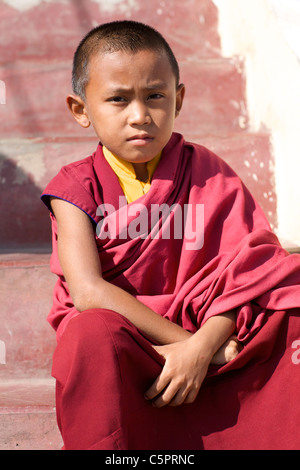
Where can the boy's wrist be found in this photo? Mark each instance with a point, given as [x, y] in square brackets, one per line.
[203, 346]
[214, 333]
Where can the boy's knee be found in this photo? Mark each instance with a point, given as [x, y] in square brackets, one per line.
[92, 329]
[88, 339]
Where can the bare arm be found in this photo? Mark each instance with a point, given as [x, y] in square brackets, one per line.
[80, 263]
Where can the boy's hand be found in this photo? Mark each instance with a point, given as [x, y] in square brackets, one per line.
[182, 375]
[187, 361]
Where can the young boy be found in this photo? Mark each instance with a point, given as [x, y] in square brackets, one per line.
[162, 256]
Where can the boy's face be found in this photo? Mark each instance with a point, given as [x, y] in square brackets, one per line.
[131, 101]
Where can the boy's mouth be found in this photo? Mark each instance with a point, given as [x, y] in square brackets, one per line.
[140, 139]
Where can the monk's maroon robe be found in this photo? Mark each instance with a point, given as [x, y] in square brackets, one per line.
[103, 364]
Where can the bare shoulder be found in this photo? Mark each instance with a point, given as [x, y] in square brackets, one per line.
[70, 217]
[74, 228]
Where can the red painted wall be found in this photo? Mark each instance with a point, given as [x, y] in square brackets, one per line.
[38, 134]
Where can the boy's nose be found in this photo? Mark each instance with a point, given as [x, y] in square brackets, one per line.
[139, 115]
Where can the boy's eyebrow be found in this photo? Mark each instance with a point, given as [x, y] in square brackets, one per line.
[153, 86]
[156, 85]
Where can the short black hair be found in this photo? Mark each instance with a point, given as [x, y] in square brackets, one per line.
[127, 36]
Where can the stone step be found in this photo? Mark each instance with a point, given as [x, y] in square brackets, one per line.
[27, 415]
[27, 340]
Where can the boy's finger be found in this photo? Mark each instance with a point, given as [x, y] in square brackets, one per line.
[157, 387]
[191, 396]
[166, 396]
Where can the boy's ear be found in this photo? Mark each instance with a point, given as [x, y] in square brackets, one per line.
[179, 98]
[78, 109]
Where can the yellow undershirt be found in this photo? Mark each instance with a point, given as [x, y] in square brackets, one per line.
[132, 187]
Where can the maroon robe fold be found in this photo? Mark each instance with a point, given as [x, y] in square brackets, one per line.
[221, 255]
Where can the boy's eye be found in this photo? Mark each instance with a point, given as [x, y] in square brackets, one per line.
[155, 96]
[117, 99]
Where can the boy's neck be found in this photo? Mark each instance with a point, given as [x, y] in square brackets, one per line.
[141, 171]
